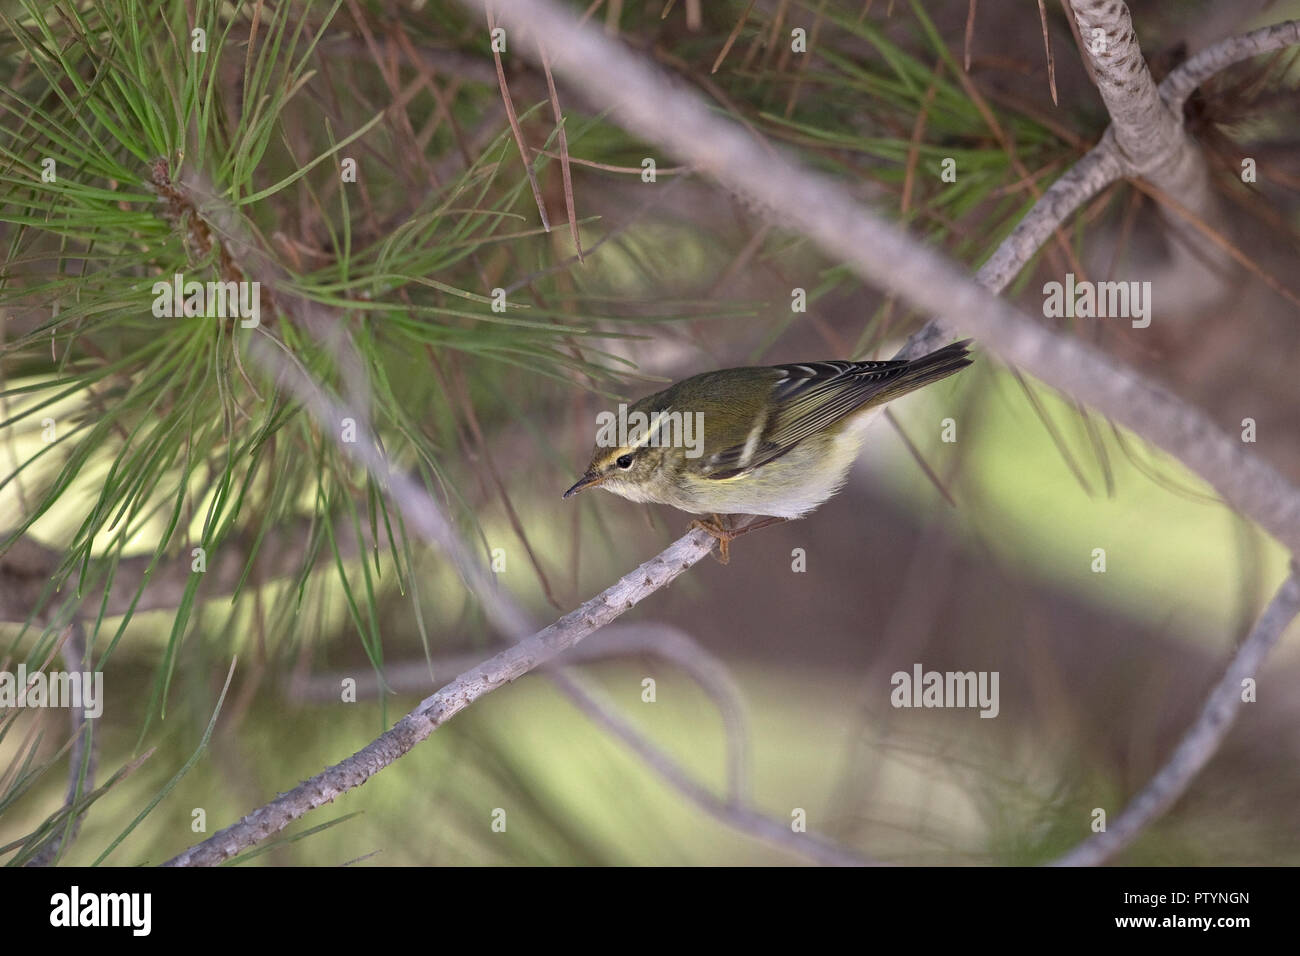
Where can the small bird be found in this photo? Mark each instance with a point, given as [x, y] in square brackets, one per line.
[771, 440]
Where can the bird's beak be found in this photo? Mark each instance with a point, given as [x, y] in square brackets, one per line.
[586, 481]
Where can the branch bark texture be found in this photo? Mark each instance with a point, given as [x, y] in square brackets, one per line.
[1150, 139]
[1200, 742]
[438, 708]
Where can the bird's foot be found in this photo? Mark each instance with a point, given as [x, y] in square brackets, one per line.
[717, 526]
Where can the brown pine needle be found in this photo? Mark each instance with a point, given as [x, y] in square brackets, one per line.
[565, 169]
[731, 39]
[667, 9]
[629, 170]
[1220, 240]
[991, 120]
[519, 133]
[1028, 182]
[461, 393]
[252, 42]
[1062, 446]
[970, 31]
[920, 459]
[755, 45]
[694, 19]
[1047, 45]
[803, 60]
[918, 130]
[1078, 41]
[777, 22]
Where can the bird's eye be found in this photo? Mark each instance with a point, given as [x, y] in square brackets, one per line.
[624, 461]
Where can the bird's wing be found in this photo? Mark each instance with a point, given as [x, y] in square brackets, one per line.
[805, 399]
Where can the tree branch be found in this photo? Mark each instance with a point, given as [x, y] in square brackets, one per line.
[617, 640]
[441, 706]
[1151, 140]
[423, 514]
[82, 755]
[732, 812]
[1202, 740]
[1096, 170]
[27, 568]
[1099, 167]
[1179, 84]
[1150, 137]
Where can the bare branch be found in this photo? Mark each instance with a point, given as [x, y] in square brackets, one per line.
[1085, 179]
[1179, 84]
[617, 640]
[1147, 132]
[731, 813]
[1151, 141]
[1202, 740]
[82, 754]
[440, 707]
[27, 568]
[426, 517]
[1098, 168]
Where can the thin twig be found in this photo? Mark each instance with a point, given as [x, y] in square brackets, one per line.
[741, 818]
[437, 709]
[563, 141]
[1179, 84]
[970, 34]
[1202, 739]
[616, 640]
[731, 38]
[515, 128]
[1047, 45]
[82, 755]
[421, 513]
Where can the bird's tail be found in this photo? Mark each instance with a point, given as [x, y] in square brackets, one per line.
[915, 373]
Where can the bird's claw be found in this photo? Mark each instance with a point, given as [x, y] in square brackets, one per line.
[716, 527]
